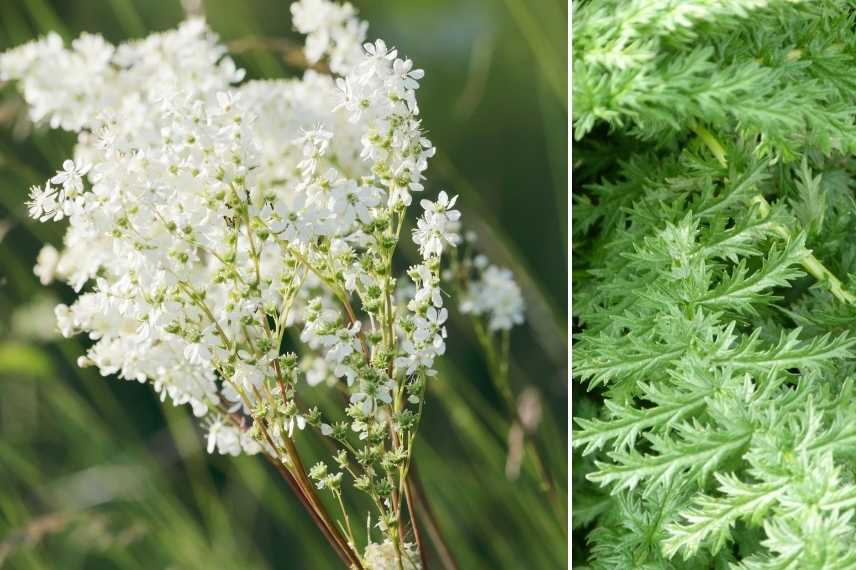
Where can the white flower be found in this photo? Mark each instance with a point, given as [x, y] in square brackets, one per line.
[64, 320]
[378, 50]
[224, 438]
[371, 392]
[442, 207]
[46, 264]
[316, 371]
[416, 357]
[43, 203]
[496, 295]
[331, 29]
[431, 324]
[428, 288]
[315, 142]
[409, 77]
[349, 202]
[297, 421]
[437, 227]
[71, 177]
[384, 556]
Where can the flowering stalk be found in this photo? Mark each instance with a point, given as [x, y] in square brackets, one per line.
[493, 299]
[207, 217]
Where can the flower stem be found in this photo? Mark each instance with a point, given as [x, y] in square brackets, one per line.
[417, 534]
[295, 488]
[498, 368]
[300, 475]
[434, 533]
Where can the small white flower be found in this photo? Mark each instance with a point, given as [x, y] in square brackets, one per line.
[296, 421]
[370, 393]
[315, 142]
[46, 264]
[378, 50]
[496, 295]
[71, 177]
[437, 227]
[409, 77]
[225, 439]
[43, 203]
[350, 203]
[384, 556]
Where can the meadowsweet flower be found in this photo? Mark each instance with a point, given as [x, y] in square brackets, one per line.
[372, 392]
[408, 76]
[427, 286]
[206, 218]
[438, 226]
[384, 556]
[71, 177]
[331, 29]
[315, 142]
[46, 264]
[496, 296]
[350, 203]
[378, 50]
[43, 204]
[295, 421]
[228, 440]
[431, 324]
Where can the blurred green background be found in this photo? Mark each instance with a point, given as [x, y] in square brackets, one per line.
[96, 473]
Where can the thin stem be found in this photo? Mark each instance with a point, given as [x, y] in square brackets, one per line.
[298, 490]
[408, 483]
[809, 262]
[289, 478]
[499, 376]
[307, 491]
[347, 518]
[300, 474]
[417, 534]
[396, 502]
[398, 560]
[431, 525]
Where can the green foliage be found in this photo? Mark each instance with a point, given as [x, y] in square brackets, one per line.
[714, 280]
[778, 70]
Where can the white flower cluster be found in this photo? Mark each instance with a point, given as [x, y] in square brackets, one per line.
[383, 556]
[493, 294]
[332, 30]
[71, 87]
[207, 218]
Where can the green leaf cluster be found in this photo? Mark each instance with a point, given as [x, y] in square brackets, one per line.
[775, 69]
[714, 280]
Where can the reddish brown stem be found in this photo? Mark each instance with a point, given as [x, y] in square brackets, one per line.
[302, 480]
[310, 503]
[417, 534]
[295, 488]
